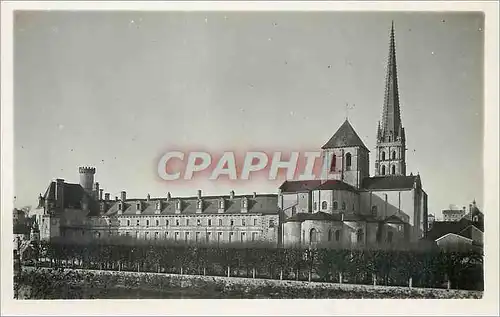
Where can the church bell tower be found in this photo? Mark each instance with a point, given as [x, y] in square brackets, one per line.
[391, 141]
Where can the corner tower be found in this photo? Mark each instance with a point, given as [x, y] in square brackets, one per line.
[391, 141]
[87, 178]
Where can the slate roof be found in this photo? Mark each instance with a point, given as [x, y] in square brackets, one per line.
[299, 186]
[467, 232]
[336, 184]
[261, 204]
[389, 182]
[73, 196]
[300, 217]
[441, 228]
[344, 137]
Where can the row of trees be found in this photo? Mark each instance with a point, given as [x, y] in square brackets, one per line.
[385, 267]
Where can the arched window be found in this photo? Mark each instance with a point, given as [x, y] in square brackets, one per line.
[374, 210]
[343, 206]
[334, 163]
[393, 155]
[324, 205]
[383, 156]
[389, 236]
[383, 170]
[335, 205]
[348, 161]
[313, 236]
[360, 235]
[475, 219]
[330, 235]
[220, 222]
[393, 169]
[337, 235]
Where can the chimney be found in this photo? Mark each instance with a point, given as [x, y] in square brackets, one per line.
[254, 195]
[101, 191]
[168, 196]
[59, 193]
[199, 193]
[96, 189]
[124, 196]
[148, 197]
[231, 194]
[106, 196]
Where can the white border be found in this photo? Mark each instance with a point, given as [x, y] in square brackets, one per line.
[488, 305]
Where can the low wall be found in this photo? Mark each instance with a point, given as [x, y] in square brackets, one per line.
[237, 287]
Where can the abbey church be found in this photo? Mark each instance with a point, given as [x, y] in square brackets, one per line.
[349, 208]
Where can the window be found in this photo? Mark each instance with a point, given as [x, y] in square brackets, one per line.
[186, 237]
[254, 236]
[383, 170]
[393, 169]
[198, 222]
[158, 205]
[208, 236]
[166, 235]
[176, 236]
[221, 204]
[219, 236]
[166, 222]
[374, 210]
[128, 222]
[156, 235]
[232, 222]
[324, 205]
[138, 206]
[230, 236]
[335, 205]
[389, 236]
[353, 207]
[393, 155]
[177, 222]
[334, 163]
[475, 218]
[271, 223]
[360, 235]
[383, 156]
[157, 222]
[337, 235]
[255, 222]
[348, 161]
[315, 205]
[313, 236]
[343, 205]
[187, 222]
[138, 222]
[200, 204]
[243, 222]
[120, 206]
[147, 223]
[209, 222]
[330, 235]
[197, 236]
[147, 235]
[243, 236]
[220, 222]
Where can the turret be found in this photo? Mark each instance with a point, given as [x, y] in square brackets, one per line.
[87, 178]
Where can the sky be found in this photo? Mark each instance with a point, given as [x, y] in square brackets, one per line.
[116, 90]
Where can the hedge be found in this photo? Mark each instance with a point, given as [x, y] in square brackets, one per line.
[417, 268]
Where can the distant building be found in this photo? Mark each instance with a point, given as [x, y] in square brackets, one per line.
[462, 235]
[430, 221]
[453, 214]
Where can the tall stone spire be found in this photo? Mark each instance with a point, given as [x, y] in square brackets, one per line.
[391, 128]
[391, 141]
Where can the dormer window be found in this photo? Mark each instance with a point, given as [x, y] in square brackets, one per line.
[200, 204]
[221, 204]
[244, 203]
[158, 205]
[475, 218]
[120, 206]
[138, 206]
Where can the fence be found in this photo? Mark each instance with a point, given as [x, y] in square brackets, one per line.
[415, 268]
